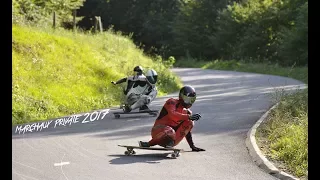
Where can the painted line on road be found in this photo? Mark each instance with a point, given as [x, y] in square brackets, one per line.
[61, 164]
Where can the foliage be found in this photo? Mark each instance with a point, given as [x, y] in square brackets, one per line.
[149, 22]
[294, 46]
[260, 30]
[58, 73]
[40, 12]
[263, 31]
[193, 28]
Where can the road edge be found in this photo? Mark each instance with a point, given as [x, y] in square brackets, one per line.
[257, 155]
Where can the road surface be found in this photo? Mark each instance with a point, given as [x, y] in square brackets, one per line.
[86, 147]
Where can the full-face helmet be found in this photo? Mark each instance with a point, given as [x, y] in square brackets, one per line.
[138, 70]
[187, 96]
[152, 76]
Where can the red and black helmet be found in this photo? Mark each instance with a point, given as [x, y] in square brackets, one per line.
[138, 70]
[187, 96]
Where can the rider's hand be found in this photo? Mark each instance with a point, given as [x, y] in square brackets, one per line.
[195, 117]
[114, 83]
[196, 149]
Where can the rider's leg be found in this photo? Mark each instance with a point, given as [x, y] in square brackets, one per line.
[141, 102]
[152, 95]
[166, 136]
[149, 98]
[161, 135]
[131, 100]
[183, 129]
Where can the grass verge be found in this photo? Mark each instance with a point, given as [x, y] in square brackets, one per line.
[59, 72]
[283, 136]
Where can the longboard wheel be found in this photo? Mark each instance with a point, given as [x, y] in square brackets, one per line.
[117, 116]
[127, 153]
[133, 152]
[175, 154]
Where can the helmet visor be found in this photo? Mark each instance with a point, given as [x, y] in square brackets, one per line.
[152, 79]
[135, 73]
[189, 99]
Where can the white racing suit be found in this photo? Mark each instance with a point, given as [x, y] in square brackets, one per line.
[140, 93]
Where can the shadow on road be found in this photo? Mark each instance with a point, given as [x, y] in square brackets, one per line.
[151, 158]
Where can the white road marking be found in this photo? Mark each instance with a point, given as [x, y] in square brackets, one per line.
[133, 120]
[61, 164]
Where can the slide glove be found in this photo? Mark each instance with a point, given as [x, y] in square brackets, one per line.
[195, 117]
[114, 83]
[196, 149]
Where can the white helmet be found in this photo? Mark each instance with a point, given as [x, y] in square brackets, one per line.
[152, 76]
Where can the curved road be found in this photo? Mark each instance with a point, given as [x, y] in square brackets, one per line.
[230, 104]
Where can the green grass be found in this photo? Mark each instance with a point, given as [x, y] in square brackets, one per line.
[283, 138]
[58, 72]
[284, 135]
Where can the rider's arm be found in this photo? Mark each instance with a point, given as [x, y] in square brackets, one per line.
[121, 80]
[144, 79]
[171, 106]
[191, 144]
[189, 139]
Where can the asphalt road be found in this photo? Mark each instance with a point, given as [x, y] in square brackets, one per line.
[230, 104]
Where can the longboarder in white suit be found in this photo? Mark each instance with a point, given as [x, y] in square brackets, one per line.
[141, 89]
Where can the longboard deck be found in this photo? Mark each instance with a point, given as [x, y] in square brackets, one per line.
[152, 148]
[136, 112]
[153, 112]
[130, 150]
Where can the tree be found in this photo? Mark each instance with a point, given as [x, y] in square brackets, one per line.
[194, 26]
[294, 46]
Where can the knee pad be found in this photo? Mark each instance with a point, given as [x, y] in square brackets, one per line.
[148, 100]
[161, 133]
[168, 138]
[169, 132]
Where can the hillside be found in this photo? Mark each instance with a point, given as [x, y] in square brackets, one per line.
[58, 72]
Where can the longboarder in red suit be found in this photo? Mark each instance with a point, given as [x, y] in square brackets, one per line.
[175, 121]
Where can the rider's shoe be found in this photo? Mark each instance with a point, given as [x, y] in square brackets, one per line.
[144, 108]
[143, 144]
[170, 144]
[126, 109]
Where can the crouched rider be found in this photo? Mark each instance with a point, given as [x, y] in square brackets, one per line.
[140, 90]
[175, 121]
